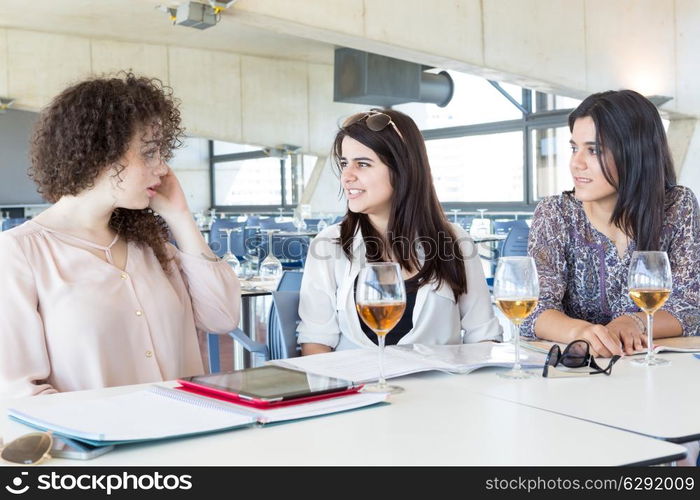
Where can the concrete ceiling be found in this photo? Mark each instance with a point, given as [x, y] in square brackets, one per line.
[141, 21]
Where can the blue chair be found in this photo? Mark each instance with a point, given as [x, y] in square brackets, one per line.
[13, 222]
[253, 221]
[284, 317]
[465, 221]
[282, 331]
[270, 223]
[515, 244]
[217, 235]
[279, 338]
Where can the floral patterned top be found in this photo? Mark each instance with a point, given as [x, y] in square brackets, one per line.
[582, 275]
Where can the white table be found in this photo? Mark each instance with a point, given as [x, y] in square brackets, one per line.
[436, 421]
[661, 402]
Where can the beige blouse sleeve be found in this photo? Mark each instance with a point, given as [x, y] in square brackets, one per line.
[24, 360]
[214, 290]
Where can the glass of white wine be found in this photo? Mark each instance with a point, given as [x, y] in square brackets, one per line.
[381, 300]
[650, 283]
[516, 289]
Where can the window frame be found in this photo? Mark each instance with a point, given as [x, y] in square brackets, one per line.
[251, 155]
[530, 121]
[526, 124]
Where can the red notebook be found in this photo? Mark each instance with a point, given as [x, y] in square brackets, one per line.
[253, 403]
[267, 386]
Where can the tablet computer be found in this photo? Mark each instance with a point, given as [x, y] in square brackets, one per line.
[268, 386]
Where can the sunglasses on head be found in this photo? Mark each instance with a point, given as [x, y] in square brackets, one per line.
[575, 355]
[30, 449]
[375, 121]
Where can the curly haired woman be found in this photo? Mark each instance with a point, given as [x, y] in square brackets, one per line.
[92, 294]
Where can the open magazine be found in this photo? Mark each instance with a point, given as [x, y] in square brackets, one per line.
[360, 365]
[674, 344]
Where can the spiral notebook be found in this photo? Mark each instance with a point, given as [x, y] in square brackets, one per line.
[161, 413]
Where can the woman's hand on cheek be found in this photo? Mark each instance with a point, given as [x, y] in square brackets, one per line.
[169, 198]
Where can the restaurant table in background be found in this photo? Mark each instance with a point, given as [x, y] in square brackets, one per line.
[436, 421]
[250, 290]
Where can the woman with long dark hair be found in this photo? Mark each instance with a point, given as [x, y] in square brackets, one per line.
[625, 199]
[92, 294]
[393, 215]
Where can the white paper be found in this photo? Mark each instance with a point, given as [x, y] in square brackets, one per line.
[140, 415]
[362, 365]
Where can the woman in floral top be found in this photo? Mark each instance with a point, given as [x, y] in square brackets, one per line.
[625, 199]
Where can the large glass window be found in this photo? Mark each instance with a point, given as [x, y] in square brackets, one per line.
[248, 182]
[478, 168]
[248, 177]
[551, 153]
[474, 101]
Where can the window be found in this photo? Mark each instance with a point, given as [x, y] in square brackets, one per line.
[551, 152]
[247, 177]
[474, 101]
[249, 182]
[496, 146]
[478, 168]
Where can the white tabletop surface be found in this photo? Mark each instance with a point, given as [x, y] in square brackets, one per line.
[436, 421]
[657, 401]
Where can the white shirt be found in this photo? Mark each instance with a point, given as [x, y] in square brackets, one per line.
[327, 302]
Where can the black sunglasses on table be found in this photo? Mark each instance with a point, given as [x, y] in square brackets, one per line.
[575, 355]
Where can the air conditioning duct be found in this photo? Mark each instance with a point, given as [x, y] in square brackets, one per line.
[363, 78]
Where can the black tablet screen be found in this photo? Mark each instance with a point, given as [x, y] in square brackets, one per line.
[271, 382]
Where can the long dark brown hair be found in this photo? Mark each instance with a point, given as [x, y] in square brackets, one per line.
[416, 214]
[628, 125]
[88, 128]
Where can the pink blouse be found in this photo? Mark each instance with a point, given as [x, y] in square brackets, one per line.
[71, 321]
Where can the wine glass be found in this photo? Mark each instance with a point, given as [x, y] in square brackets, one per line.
[212, 217]
[381, 300]
[322, 223]
[252, 252]
[280, 217]
[455, 213]
[650, 285]
[270, 267]
[298, 220]
[229, 257]
[482, 225]
[516, 290]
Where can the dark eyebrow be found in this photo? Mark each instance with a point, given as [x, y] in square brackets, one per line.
[361, 158]
[587, 143]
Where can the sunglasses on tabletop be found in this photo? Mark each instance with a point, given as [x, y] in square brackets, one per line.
[575, 355]
[30, 449]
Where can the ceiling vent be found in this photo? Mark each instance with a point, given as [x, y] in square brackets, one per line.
[364, 78]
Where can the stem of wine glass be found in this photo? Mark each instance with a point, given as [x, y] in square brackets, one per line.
[382, 380]
[650, 336]
[228, 240]
[515, 331]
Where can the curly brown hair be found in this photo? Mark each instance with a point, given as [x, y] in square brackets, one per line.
[88, 128]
